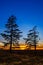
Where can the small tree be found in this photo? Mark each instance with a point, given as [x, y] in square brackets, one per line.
[35, 36]
[32, 37]
[12, 33]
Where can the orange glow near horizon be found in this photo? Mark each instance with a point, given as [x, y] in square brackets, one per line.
[22, 47]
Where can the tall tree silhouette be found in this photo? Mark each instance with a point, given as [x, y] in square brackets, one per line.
[12, 33]
[32, 37]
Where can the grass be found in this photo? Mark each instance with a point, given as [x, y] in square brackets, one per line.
[21, 57]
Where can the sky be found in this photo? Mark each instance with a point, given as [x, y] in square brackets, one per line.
[29, 13]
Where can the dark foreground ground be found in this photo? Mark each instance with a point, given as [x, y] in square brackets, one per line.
[21, 57]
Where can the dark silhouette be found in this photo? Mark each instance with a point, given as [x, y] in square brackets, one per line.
[32, 37]
[12, 33]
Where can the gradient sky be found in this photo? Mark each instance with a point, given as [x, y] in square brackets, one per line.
[28, 12]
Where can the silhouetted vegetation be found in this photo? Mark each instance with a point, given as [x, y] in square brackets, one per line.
[32, 38]
[21, 57]
[12, 33]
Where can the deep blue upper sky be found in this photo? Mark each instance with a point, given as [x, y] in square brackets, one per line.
[28, 12]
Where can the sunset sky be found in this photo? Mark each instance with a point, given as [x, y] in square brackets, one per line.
[28, 12]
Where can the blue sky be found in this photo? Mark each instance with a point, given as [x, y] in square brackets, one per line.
[28, 12]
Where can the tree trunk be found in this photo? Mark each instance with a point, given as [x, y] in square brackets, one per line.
[35, 47]
[11, 42]
[10, 47]
[35, 44]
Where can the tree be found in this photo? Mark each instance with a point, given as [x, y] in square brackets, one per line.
[32, 37]
[12, 33]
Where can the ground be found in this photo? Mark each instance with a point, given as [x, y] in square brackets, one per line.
[21, 57]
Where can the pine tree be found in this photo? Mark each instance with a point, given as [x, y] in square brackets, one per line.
[12, 33]
[32, 37]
